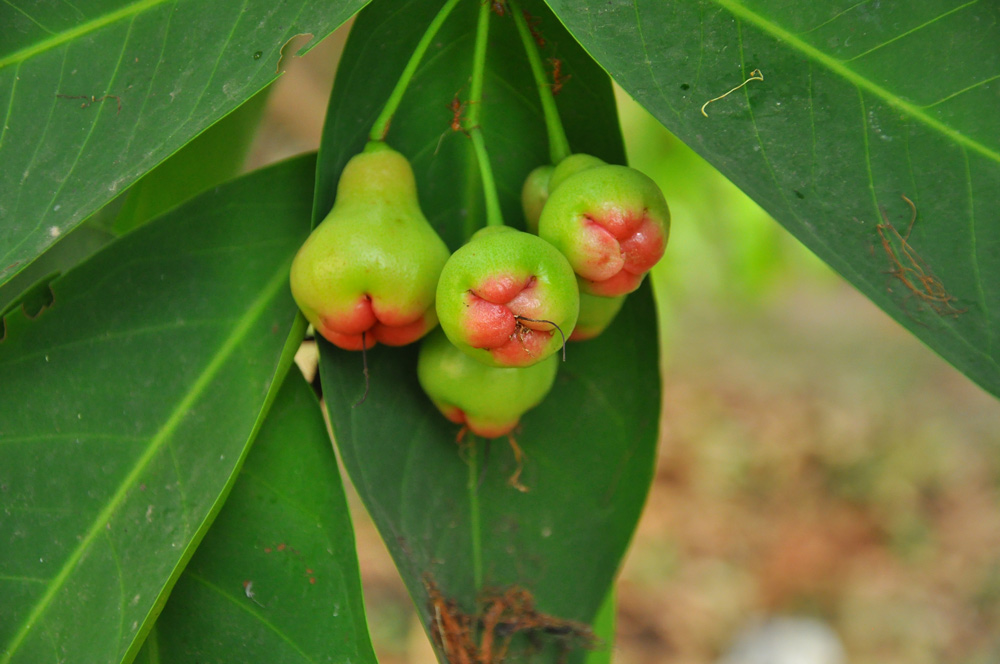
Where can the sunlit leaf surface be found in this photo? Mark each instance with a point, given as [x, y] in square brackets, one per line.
[276, 579]
[126, 406]
[95, 94]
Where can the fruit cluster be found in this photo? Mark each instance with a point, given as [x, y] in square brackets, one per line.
[375, 271]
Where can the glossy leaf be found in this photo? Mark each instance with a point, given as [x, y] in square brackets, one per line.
[216, 155]
[126, 407]
[276, 579]
[589, 447]
[447, 513]
[862, 103]
[83, 242]
[93, 95]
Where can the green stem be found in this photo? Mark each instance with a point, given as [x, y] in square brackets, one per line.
[494, 216]
[558, 143]
[381, 126]
[473, 488]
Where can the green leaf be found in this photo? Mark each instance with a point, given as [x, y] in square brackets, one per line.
[861, 104]
[213, 157]
[276, 579]
[590, 446]
[93, 95]
[604, 628]
[82, 243]
[126, 407]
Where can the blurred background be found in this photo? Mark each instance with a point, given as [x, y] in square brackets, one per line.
[821, 472]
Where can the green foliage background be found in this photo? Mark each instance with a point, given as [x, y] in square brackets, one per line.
[146, 341]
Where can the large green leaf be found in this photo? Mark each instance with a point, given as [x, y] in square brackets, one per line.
[215, 156]
[590, 446]
[862, 103]
[212, 158]
[82, 243]
[171, 68]
[126, 407]
[276, 579]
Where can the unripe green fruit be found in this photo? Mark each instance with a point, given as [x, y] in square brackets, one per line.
[596, 314]
[369, 271]
[489, 400]
[611, 222]
[534, 193]
[572, 165]
[543, 179]
[501, 296]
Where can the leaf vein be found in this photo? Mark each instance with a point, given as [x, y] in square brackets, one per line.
[909, 32]
[27, 16]
[117, 336]
[79, 31]
[812, 129]
[75, 8]
[756, 130]
[990, 334]
[10, 105]
[215, 68]
[22, 579]
[962, 91]
[121, 585]
[48, 438]
[86, 140]
[157, 442]
[849, 75]
[648, 62]
[835, 17]
[281, 495]
[152, 79]
[45, 130]
[236, 600]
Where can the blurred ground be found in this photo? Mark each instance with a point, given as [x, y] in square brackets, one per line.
[816, 459]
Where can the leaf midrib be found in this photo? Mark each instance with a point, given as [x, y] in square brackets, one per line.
[240, 331]
[838, 67]
[256, 615]
[80, 30]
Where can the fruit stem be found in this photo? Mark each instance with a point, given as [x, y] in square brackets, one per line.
[558, 143]
[494, 216]
[381, 126]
